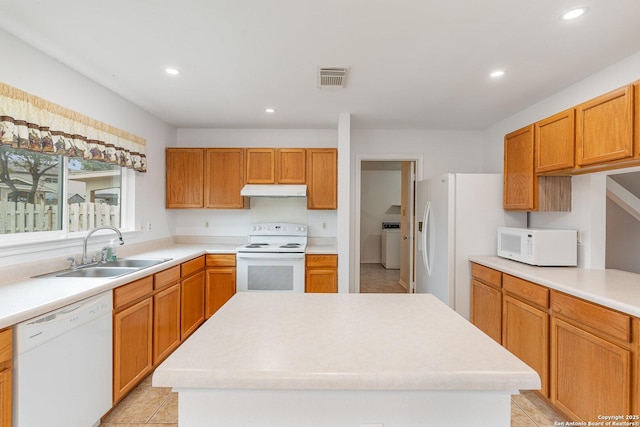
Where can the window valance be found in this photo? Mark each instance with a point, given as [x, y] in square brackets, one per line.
[32, 123]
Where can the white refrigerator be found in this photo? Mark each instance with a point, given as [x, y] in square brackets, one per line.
[458, 216]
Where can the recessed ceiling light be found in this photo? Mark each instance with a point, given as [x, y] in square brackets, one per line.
[497, 73]
[172, 71]
[574, 13]
[269, 110]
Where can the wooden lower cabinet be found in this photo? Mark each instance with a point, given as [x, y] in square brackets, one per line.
[486, 300]
[192, 295]
[590, 376]
[151, 317]
[592, 350]
[587, 355]
[132, 346]
[220, 281]
[525, 333]
[192, 300]
[321, 274]
[486, 309]
[166, 322]
[6, 377]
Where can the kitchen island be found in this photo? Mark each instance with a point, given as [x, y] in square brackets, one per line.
[342, 360]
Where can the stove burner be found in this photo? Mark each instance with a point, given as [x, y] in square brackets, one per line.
[256, 245]
[291, 245]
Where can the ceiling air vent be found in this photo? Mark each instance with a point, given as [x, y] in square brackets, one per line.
[332, 77]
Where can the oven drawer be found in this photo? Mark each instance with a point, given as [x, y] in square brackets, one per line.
[270, 272]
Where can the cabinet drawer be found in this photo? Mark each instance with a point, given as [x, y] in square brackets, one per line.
[6, 339]
[131, 292]
[166, 277]
[486, 275]
[322, 261]
[190, 267]
[612, 323]
[531, 292]
[221, 260]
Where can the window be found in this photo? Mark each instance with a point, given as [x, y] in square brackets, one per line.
[44, 192]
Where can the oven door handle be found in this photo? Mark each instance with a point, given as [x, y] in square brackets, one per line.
[276, 256]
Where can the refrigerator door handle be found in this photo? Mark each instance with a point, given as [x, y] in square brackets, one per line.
[426, 250]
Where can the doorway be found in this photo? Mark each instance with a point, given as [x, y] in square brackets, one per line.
[385, 194]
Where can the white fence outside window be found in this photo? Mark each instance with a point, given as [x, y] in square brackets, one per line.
[27, 217]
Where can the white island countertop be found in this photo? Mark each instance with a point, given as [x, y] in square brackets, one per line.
[342, 342]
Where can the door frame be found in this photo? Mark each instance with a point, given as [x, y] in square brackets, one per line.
[417, 159]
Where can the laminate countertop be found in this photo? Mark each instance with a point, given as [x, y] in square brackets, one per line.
[615, 289]
[30, 297]
[341, 342]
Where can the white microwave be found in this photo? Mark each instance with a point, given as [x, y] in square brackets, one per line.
[542, 247]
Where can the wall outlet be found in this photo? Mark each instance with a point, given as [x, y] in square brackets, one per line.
[148, 225]
[324, 224]
[206, 224]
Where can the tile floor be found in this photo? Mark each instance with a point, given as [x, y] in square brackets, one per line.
[148, 406]
[374, 278]
[145, 406]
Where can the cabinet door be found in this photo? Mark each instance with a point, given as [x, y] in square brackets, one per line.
[224, 178]
[525, 333]
[322, 178]
[321, 280]
[221, 285]
[261, 166]
[604, 128]
[184, 177]
[520, 190]
[291, 166]
[6, 354]
[5, 396]
[132, 346]
[555, 142]
[192, 301]
[589, 375]
[166, 322]
[486, 309]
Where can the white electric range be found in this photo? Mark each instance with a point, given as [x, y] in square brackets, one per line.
[273, 260]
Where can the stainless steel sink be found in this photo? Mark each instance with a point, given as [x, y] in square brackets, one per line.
[136, 263]
[98, 272]
[115, 268]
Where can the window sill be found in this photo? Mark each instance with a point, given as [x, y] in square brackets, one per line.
[55, 241]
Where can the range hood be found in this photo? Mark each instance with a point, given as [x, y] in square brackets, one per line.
[274, 190]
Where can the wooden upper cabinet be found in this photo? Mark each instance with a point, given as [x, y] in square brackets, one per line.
[291, 166]
[520, 191]
[604, 127]
[184, 177]
[322, 178]
[554, 142]
[261, 166]
[224, 178]
[276, 166]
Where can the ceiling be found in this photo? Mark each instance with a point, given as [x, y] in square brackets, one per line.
[413, 64]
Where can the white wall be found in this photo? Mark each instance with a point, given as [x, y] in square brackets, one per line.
[30, 70]
[442, 151]
[588, 212]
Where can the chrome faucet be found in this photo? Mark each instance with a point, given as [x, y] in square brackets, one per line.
[85, 260]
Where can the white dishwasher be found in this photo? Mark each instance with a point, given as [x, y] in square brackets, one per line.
[62, 366]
